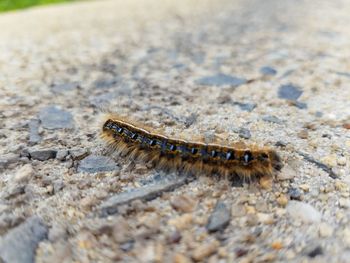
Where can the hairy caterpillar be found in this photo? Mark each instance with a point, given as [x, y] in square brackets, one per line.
[128, 139]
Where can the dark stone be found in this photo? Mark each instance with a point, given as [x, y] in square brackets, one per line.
[61, 88]
[127, 246]
[34, 136]
[19, 244]
[174, 237]
[245, 106]
[220, 218]
[315, 251]
[300, 105]
[95, 164]
[43, 155]
[221, 80]
[281, 144]
[244, 133]
[105, 83]
[146, 193]
[289, 92]
[273, 119]
[268, 71]
[54, 118]
[190, 120]
[344, 74]
[320, 165]
[318, 114]
[295, 194]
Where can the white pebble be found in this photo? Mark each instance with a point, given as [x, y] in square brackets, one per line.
[304, 212]
[325, 230]
[24, 173]
[341, 161]
[344, 202]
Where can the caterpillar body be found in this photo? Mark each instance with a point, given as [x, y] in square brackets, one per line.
[128, 139]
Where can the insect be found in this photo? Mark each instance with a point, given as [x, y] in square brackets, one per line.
[130, 140]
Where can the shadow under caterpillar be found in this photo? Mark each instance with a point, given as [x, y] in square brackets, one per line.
[246, 162]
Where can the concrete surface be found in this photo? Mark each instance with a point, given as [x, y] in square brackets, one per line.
[268, 72]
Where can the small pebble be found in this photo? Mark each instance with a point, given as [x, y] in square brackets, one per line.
[341, 161]
[180, 258]
[245, 106]
[244, 133]
[95, 163]
[346, 126]
[64, 87]
[295, 194]
[220, 218]
[303, 212]
[53, 117]
[265, 218]
[61, 155]
[120, 230]
[314, 251]
[282, 200]
[43, 155]
[24, 173]
[273, 119]
[58, 185]
[289, 92]
[325, 230]
[330, 160]
[205, 250]
[183, 203]
[277, 245]
[303, 134]
[221, 80]
[304, 187]
[268, 71]
[181, 222]
[344, 202]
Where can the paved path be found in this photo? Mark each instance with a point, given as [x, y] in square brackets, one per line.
[268, 72]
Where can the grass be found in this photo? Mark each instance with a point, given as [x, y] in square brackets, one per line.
[7, 5]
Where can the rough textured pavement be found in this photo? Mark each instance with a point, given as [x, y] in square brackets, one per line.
[268, 72]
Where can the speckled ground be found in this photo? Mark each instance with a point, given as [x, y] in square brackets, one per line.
[268, 72]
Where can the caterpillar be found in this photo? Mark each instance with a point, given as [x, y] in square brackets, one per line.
[129, 139]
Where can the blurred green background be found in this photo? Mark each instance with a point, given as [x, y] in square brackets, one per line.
[7, 5]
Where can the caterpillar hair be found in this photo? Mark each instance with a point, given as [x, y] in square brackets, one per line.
[130, 140]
